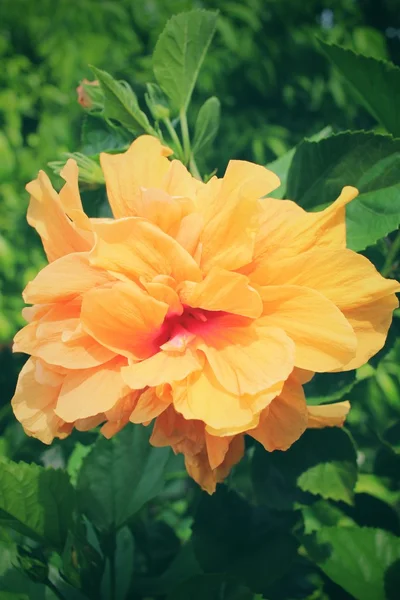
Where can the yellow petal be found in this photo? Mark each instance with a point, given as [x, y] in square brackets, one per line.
[222, 290]
[46, 214]
[201, 397]
[124, 318]
[163, 367]
[88, 392]
[64, 279]
[284, 420]
[231, 213]
[139, 249]
[143, 165]
[164, 293]
[323, 337]
[149, 406]
[248, 360]
[33, 405]
[328, 415]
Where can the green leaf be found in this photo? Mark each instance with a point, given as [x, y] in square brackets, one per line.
[369, 162]
[281, 165]
[207, 124]
[212, 587]
[119, 476]
[322, 462]
[121, 104]
[325, 388]
[229, 536]
[323, 513]
[355, 558]
[35, 501]
[376, 83]
[13, 596]
[157, 102]
[99, 136]
[180, 51]
[76, 459]
[89, 169]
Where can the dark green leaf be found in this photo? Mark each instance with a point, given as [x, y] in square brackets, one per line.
[98, 136]
[207, 124]
[119, 476]
[369, 162]
[37, 502]
[325, 388]
[355, 558]
[212, 587]
[121, 104]
[180, 51]
[230, 536]
[322, 462]
[375, 82]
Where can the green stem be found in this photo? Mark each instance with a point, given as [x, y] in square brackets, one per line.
[185, 136]
[174, 137]
[53, 588]
[391, 255]
[193, 168]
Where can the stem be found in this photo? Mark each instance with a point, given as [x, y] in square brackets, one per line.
[53, 588]
[193, 168]
[185, 135]
[393, 250]
[174, 137]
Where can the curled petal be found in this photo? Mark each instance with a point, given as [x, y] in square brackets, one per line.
[328, 415]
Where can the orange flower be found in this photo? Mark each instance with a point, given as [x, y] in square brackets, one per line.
[199, 305]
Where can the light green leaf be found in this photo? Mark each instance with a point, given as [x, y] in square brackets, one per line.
[369, 162]
[180, 51]
[322, 462]
[157, 102]
[35, 501]
[376, 83]
[355, 558]
[119, 476]
[207, 124]
[76, 459]
[89, 169]
[121, 104]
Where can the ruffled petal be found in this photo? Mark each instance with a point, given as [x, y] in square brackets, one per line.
[143, 165]
[222, 290]
[86, 393]
[64, 279]
[328, 415]
[284, 420]
[149, 406]
[124, 318]
[34, 402]
[249, 360]
[46, 214]
[138, 249]
[163, 367]
[324, 339]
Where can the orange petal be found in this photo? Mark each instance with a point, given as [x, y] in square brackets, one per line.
[139, 249]
[217, 447]
[231, 213]
[328, 415]
[222, 290]
[249, 360]
[88, 392]
[284, 420]
[63, 279]
[33, 405]
[46, 214]
[165, 293]
[201, 397]
[143, 165]
[323, 337]
[188, 233]
[149, 406]
[124, 318]
[163, 367]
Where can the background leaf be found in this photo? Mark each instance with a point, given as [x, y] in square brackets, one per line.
[180, 51]
[207, 124]
[355, 558]
[322, 462]
[36, 501]
[376, 83]
[369, 162]
[119, 476]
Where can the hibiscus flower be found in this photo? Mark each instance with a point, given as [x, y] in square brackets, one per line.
[201, 306]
